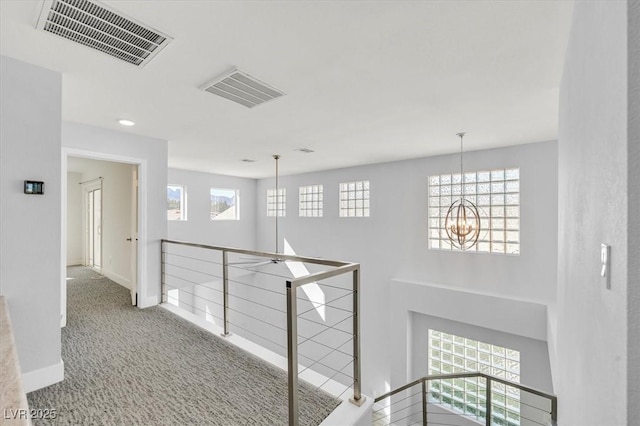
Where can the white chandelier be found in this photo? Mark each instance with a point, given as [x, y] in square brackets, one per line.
[462, 223]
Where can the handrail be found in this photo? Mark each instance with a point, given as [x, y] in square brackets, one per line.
[292, 285]
[423, 380]
[467, 375]
[275, 256]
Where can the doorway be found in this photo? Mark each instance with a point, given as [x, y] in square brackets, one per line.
[102, 218]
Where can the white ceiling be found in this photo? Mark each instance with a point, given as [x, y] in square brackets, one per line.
[366, 81]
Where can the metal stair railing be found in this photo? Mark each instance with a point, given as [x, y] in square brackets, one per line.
[311, 318]
[408, 406]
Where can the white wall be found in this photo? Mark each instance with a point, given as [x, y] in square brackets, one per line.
[633, 302]
[75, 233]
[392, 242]
[591, 365]
[30, 252]
[151, 154]
[199, 227]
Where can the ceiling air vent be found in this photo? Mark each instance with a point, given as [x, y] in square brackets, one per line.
[96, 25]
[240, 87]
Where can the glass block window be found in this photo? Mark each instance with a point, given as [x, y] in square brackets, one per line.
[225, 204]
[311, 202]
[276, 203]
[354, 199]
[496, 193]
[176, 202]
[450, 354]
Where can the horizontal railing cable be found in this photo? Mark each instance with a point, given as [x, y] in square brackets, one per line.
[324, 325]
[318, 303]
[337, 349]
[200, 278]
[175, 265]
[325, 330]
[198, 309]
[262, 321]
[198, 296]
[329, 347]
[324, 284]
[334, 375]
[184, 279]
[193, 258]
[272, 274]
[281, 293]
[280, 311]
[192, 282]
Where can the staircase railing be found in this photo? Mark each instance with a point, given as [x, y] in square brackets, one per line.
[419, 403]
[310, 317]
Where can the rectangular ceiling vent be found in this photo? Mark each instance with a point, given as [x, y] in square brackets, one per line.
[240, 87]
[95, 25]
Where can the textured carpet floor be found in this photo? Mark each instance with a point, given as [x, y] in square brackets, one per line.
[129, 366]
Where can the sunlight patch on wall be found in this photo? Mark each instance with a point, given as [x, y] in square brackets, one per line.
[207, 314]
[312, 290]
[174, 297]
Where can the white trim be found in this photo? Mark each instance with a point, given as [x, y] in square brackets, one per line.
[350, 414]
[141, 279]
[43, 377]
[75, 262]
[142, 218]
[63, 239]
[119, 279]
[148, 302]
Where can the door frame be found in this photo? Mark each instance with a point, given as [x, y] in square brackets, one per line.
[141, 247]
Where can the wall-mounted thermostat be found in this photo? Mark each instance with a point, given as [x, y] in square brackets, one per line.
[33, 187]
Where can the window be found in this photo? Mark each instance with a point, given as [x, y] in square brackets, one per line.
[449, 353]
[496, 193]
[176, 202]
[224, 204]
[311, 201]
[276, 205]
[354, 199]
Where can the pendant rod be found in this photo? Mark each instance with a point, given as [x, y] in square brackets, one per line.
[277, 157]
[461, 134]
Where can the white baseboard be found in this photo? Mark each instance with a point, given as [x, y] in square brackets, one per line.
[43, 377]
[148, 302]
[75, 262]
[124, 282]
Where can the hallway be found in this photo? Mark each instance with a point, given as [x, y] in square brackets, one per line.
[127, 366]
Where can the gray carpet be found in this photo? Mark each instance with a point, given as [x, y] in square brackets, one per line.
[129, 366]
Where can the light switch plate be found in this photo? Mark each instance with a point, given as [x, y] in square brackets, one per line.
[605, 263]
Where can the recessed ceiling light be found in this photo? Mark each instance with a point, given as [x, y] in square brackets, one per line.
[305, 150]
[247, 160]
[125, 122]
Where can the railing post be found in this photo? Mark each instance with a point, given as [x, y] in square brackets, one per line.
[225, 292]
[292, 352]
[488, 402]
[163, 285]
[424, 403]
[357, 396]
[554, 411]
